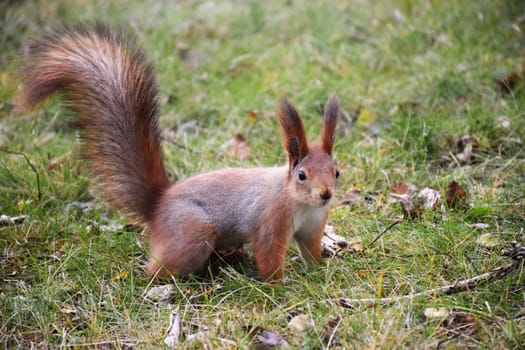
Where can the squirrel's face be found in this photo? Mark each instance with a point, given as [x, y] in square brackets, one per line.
[313, 180]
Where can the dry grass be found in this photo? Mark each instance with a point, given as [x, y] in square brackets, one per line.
[413, 76]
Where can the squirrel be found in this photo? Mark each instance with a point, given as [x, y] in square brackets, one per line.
[111, 88]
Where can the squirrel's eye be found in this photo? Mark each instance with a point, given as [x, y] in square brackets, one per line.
[337, 174]
[302, 175]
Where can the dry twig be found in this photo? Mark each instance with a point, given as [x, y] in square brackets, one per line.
[517, 253]
[382, 233]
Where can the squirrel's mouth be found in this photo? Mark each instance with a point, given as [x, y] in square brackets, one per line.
[324, 202]
[320, 203]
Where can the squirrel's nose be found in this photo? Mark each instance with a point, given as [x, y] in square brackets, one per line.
[326, 195]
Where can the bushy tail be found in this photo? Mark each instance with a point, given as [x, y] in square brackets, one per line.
[106, 81]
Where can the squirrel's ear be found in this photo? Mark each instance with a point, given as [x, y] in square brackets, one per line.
[331, 111]
[292, 132]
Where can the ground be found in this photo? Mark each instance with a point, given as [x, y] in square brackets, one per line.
[431, 92]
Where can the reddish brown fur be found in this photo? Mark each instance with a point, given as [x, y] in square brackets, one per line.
[292, 131]
[189, 253]
[329, 124]
[113, 92]
[272, 241]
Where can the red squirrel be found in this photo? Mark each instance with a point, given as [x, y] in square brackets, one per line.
[107, 82]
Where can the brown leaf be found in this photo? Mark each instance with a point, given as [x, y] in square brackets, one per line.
[238, 147]
[353, 196]
[402, 193]
[466, 147]
[252, 116]
[455, 195]
[460, 322]
[410, 209]
[466, 140]
[399, 187]
[508, 83]
[330, 327]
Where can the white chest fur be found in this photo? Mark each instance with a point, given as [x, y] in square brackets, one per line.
[306, 220]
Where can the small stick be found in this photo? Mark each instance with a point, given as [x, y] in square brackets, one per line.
[382, 233]
[517, 254]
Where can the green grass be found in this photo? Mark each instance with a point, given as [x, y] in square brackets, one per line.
[415, 86]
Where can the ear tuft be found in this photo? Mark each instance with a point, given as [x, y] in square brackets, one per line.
[331, 112]
[292, 131]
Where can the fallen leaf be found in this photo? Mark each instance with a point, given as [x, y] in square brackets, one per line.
[172, 338]
[481, 225]
[356, 245]
[508, 83]
[399, 187]
[466, 147]
[252, 116]
[270, 338]
[12, 220]
[120, 276]
[71, 315]
[455, 195]
[330, 327]
[237, 147]
[161, 294]
[182, 49]
[353, 196]
[198, 338]
[335, 245]
[365, 119]
[21, 205]
[362, 273]
[436, 313]
[398, 16]
[429, 198]
[187, 127]
[460, 322]
[299, 324]
[402, 193]
[488, 240]
[462, 67]
[410, 209]
[442, 39]
[503, 122]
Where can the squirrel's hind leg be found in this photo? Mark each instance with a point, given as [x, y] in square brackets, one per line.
[182, 250]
